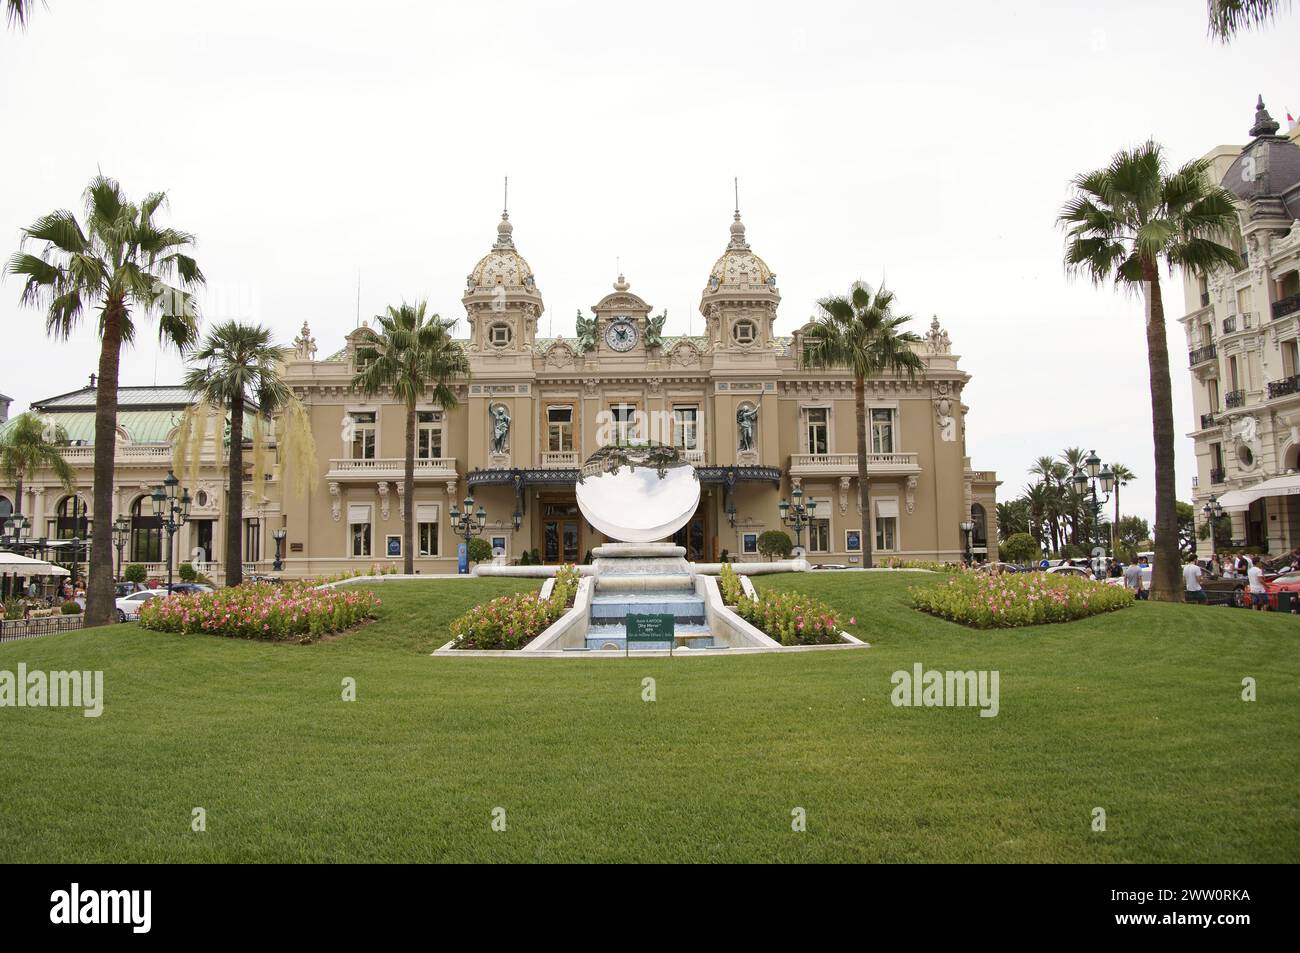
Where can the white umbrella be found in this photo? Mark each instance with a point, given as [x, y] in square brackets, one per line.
[11, 564]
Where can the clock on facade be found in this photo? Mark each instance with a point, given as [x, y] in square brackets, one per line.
[621, 335]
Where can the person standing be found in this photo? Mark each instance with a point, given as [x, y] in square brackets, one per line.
[1133, 580]
[1255, 583]
[1192, 581]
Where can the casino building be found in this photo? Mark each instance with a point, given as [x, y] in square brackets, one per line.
[734, 400]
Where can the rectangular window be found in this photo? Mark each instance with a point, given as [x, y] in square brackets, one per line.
[882, 430]
[364, 427]
[252, 540]
[426, 524]
[1290, 358]
[559, 426]
[749, 543]
[1213, 387]
[819, 535]
[428, 435]
[359, 528]
[685, 433]
[625, 429]
[1232, 373]
[886, 525]
[819, 430]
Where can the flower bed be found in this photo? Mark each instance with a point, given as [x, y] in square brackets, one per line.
[792, 618]
[1007, 600]
[511, 622]
[729, 586]
[894, 562]
[287, 613]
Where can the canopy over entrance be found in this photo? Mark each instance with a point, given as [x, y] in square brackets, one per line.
[1238, 501]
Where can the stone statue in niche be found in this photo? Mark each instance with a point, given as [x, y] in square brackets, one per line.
[654, 330]
[586, 334]
[746, 426]
[500, 428]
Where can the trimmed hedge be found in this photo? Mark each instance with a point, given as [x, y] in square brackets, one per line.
[1008, 600]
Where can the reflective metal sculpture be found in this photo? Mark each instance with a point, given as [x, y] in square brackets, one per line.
[638, 494]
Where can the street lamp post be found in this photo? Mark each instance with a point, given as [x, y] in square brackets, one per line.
[967, 528]
[279, 535]
[468, 524]
[796, 514]
[173, 512]
[121, 531]
[1213, 510]
[1095, 473]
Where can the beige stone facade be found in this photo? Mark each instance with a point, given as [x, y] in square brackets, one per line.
[1243, 338]
[619, 379]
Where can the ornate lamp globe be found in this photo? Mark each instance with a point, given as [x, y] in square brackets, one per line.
[1093, 463]
[1107, 480]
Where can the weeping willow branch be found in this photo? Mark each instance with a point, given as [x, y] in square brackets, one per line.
[259, 456]
[298, 448]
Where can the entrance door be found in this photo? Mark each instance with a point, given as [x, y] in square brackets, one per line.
[203, 538]
[561, 536]
[691, 536]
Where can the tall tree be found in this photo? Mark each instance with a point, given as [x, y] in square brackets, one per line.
[416, 357]
[238, 368]
[120, 263]
[30, 444]
[1074, 460]
[1230, 17]
[1123, 477]
[861, 332]
[1123, 221]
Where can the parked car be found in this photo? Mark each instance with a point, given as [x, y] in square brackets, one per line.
[128, 607]
[1063, 570]
[188, 588]
[1000, 567]
[830, 566]
[1285, 582]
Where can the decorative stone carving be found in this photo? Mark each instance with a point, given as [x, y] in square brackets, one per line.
[451, 489]
[336, 501]
[401, 500]
[383, 499]
[1245, 433]
[591, 386]
[911, 492]
[844, 493]
[937, 340]
[587, 328]
[654, 384]
[304, 345]
[654, 330]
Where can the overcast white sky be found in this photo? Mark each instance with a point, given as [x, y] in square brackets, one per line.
[307, 142]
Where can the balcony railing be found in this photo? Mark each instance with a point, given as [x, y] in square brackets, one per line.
[1203, 354]
[1234, 398]
[143, 453]
[846, 464]
[1287, 385]
[392, 468]
[559, 459]
[1286, 306]
[1207, 421]
[1217, 474]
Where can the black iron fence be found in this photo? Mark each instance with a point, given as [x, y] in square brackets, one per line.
[1207, 353]
[13, 629]
[1286, 305]
[1234, 398]
[1287, 385]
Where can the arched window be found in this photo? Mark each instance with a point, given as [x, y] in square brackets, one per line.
[146, 532]
[6, 508]
[70, 518]
[979, 535]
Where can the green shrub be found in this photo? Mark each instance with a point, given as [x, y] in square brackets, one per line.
[13, 609]
[729, 585]
[1007, 600]
[775, 543]
[70, 608]
[792, 618]
[536, 557]
[187, 572]
[480, 550]
[1020, 548]
[135, 572]
[511, 622]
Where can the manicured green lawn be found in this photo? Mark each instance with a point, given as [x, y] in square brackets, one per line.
[1137, 712]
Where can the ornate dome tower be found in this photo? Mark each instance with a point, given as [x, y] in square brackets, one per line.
[501, 298]
[740, 300]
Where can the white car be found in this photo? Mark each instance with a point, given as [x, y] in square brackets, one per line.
[1080, 571]
[128, 607]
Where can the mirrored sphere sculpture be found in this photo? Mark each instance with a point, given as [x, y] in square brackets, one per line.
[638, 494]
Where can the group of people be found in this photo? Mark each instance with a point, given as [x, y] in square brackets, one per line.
[1239, 566]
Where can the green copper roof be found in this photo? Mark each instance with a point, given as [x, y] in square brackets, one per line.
[141, 426]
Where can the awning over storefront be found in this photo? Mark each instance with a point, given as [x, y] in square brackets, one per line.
[1238, 501]
[11, 564]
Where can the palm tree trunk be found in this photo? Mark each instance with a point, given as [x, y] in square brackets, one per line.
[235, 502]
[864, 493]
[100, 605]
[18, 495]
[1165, 573]
[1114, 527]
[408, 494]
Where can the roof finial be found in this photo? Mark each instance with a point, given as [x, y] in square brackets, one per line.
[736, 185]
[737, 226]
[1265, 125]
[505, 198]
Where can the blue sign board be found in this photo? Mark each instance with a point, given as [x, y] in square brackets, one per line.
[462, 558]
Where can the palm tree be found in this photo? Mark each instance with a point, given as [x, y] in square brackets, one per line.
[121, 264]
[1073, 459]
[1122, 222]
[18, 11]
[1123, 477]
[30, 444]
[415, 356]
[238, 367]
[861, 332]
[1230, 17]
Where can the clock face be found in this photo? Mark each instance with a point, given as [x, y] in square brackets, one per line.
[621, 335]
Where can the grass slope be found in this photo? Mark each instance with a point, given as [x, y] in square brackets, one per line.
[1138, 712]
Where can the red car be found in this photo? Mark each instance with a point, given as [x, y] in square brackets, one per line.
[1286, 582]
